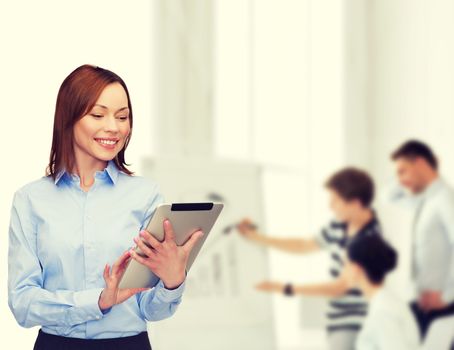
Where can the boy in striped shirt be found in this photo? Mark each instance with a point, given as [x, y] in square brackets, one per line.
[351, 193]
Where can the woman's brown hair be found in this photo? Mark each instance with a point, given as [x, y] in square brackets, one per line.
[77, 95]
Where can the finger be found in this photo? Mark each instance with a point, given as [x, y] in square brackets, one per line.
[120, 261]
[122, 268]
[106, 272]
[189, 245]
[141, 260]
[150, 239]
[123, 257]
[125, 263]
[144, 248]
[169, 234]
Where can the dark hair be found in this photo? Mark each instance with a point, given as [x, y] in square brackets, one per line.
[351, 183]
[374, 255]
[77, 95]
[413, 149]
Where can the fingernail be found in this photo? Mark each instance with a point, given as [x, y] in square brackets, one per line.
[135, 239]
[142, 233]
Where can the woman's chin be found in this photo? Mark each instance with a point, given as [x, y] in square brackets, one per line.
[105, 157]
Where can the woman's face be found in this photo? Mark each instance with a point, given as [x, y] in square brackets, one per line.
[102, 133]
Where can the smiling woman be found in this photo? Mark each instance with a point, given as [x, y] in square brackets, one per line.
[95, 103]
[88, 210]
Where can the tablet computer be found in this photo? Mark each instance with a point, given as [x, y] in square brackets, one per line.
[186, 219]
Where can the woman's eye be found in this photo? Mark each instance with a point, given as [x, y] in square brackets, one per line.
[122, 118]
[97, 116]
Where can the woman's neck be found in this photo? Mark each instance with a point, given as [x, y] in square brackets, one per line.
[85, 168]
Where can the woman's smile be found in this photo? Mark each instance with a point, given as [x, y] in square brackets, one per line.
[107, 143]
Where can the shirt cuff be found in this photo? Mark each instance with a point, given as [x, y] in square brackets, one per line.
[106, 310]
[86, 306]
[169, 295]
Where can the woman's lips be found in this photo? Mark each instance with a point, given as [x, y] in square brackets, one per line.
[107, 143]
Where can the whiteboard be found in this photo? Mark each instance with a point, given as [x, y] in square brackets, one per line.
[220, 308]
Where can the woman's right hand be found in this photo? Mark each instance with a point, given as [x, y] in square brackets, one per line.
[111, 294]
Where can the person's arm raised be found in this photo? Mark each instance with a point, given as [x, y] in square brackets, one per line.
[337, 287]
[290, 245]
[328, 289]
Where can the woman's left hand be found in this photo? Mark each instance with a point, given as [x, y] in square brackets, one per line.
[165, 259]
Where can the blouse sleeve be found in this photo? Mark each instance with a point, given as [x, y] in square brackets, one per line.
[28, 300]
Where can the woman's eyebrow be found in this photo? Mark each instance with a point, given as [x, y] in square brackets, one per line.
[102, 106]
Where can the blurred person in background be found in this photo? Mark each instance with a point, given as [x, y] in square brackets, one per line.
[389, 324]
[351, 192]
[432, 231]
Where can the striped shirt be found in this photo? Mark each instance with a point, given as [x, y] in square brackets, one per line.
[348, 311]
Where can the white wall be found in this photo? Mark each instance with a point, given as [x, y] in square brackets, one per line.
[279, 102]
[412, 80]
[183, 76]
[41, 43]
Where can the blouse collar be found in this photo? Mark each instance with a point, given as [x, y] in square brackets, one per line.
[110, 172]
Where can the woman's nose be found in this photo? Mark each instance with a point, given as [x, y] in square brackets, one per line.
[111, 124]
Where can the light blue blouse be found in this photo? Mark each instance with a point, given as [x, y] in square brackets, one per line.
[60, 239]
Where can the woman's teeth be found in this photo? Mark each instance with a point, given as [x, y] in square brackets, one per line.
[106, 142]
